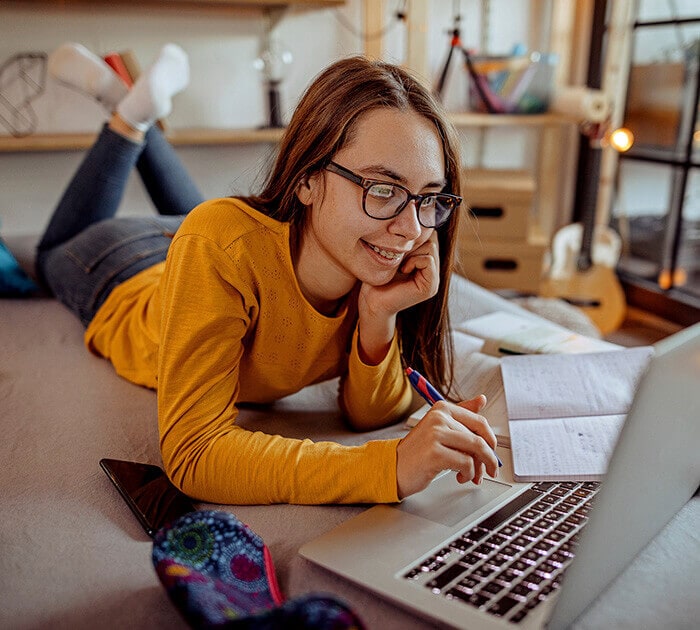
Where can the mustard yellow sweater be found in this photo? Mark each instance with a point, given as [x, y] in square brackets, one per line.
[223, 321]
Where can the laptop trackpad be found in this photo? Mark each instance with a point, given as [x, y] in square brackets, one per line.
[447, 502]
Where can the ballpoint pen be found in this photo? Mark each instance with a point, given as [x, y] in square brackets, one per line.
[429, 393]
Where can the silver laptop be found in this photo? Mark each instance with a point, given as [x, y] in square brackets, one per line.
[534, 554]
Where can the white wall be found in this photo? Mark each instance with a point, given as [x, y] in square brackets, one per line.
[226, 90]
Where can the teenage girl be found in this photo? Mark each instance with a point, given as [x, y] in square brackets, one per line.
[339, 267]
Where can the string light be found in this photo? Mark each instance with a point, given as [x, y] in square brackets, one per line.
[621, 139]
[667, 280]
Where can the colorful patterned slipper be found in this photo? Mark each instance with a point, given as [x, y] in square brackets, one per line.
[308, 612]
[218, 572]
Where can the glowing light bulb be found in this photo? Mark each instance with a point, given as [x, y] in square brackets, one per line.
[621, 139]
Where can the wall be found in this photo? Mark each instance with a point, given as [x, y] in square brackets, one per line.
[226, 90]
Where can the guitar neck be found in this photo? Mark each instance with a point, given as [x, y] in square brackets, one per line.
[589, 196]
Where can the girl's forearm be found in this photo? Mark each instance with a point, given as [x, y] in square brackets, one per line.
[375, 336]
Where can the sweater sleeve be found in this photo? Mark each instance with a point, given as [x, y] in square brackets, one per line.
[207, 311]
[373, 396]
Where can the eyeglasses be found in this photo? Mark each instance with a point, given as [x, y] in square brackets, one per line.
[384, 200]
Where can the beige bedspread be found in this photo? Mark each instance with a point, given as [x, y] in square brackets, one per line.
[72, 555]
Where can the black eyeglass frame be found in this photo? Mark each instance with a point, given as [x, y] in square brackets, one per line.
[365, 183]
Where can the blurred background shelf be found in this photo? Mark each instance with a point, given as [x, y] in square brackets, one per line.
[193, 3]
[211, 136]
[179, 137]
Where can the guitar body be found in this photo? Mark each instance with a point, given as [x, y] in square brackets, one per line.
[592, 286]
[596, 291]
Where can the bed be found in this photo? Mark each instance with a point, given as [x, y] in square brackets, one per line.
[73, 556]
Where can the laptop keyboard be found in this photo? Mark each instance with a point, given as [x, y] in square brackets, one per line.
[514, 559]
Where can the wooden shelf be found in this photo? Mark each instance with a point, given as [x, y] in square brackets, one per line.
[223, 137]
[181, 137]
[204, 136]
[237, 3]
[472, 119]
[187, 3]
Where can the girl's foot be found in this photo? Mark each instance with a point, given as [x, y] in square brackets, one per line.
[75, 66]
[151, 96]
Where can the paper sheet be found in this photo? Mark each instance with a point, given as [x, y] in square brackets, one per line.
[564, 447]
[546, 386]
[507, 333]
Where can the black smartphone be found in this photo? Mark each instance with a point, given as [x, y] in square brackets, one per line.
[149, 493]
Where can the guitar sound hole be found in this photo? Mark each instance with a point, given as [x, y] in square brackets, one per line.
[582, 302]
[500, 264]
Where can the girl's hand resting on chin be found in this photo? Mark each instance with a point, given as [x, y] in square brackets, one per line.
[449, 437]
[417, 280]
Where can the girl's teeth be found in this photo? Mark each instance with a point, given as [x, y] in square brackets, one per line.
[386, 254]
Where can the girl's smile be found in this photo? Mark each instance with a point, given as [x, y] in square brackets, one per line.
[394, 257]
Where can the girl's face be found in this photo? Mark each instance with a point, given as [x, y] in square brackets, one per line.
[341, 244]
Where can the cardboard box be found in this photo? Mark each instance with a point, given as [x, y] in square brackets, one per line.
[499, 203]
[502, 264]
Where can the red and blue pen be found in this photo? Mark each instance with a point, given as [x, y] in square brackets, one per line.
[428, 392]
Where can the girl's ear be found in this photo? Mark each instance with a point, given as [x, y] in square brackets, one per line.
[308, 188]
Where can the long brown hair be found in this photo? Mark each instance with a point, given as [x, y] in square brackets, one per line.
[321, 125]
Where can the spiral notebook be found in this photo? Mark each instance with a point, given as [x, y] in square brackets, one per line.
[565, 411]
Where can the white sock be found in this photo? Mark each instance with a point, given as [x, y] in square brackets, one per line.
[151, 96]
[75, 66]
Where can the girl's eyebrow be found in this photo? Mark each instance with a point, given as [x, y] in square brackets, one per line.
[382, 171]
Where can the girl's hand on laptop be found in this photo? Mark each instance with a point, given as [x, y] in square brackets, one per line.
[449, 437]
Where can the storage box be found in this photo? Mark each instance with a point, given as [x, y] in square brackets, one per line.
[512, 85]
[497, 264]
[499, 203]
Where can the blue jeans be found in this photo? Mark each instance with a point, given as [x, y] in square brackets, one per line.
[85, 251]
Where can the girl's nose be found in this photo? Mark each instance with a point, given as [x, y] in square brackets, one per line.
[406, 223]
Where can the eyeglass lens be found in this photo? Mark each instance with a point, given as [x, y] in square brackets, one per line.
[383, 201]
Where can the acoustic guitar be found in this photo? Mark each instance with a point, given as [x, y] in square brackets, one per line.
[582, 272]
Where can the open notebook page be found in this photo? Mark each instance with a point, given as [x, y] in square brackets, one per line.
[566, 411]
